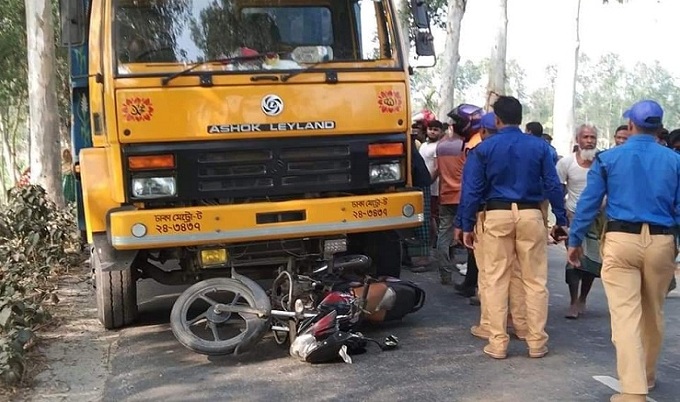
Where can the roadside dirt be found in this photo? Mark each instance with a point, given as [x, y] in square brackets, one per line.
[73, 354]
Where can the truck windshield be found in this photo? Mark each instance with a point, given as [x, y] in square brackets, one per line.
[167, 35]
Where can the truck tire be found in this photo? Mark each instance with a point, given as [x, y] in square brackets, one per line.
[116, 295]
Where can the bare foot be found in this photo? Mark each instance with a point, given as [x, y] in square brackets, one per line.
[572, 313]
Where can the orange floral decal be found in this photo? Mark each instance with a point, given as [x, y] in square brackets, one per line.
[137, 109]
[389, 101]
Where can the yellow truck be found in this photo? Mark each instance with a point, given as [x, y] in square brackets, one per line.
[214, 134]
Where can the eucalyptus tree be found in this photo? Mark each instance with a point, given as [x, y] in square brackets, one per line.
[45, 141]
[497, 61]
[451, 56]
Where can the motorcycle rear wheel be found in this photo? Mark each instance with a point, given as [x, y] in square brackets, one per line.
[186, 324]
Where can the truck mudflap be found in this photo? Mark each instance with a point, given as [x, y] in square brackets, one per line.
[204, 225]
[110, 258]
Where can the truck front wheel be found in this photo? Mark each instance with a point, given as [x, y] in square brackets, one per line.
[116, 295]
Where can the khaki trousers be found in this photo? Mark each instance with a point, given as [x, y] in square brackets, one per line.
[545, 206]
[509, 238]
[517, 296]
[518, 300]
[636, 272]
[481, 277]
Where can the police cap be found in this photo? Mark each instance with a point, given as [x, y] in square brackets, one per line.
[646, 114]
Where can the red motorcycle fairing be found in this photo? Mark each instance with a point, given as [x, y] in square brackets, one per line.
[337, 301]
[327, 325]
[344, 304]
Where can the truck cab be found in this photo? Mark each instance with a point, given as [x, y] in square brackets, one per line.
[256, 135]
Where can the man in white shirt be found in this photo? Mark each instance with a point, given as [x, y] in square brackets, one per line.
[428, 150]
[572, 171]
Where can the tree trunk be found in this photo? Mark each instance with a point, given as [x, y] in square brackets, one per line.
[454, 18]
[565, 82]
[497, 73]
[11, 121]
[8, 132]
[6, 168]
[45, 149]
[8, 154]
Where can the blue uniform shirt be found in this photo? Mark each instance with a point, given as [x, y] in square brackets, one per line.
[553, 154]
[642, 185]
[510, 166]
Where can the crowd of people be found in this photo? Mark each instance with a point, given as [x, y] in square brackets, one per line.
[504, 194]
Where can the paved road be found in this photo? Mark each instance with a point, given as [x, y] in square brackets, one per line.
[438, 360]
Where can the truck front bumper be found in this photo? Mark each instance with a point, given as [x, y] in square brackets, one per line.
[224, 224]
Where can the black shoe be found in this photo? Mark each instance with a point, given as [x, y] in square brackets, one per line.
[463, 290]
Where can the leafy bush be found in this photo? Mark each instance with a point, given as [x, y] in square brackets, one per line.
[35, 240]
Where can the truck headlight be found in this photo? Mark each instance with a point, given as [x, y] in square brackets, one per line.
[153, 187]
[384, 172]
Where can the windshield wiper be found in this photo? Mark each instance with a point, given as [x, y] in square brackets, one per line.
[224, 60]
[286, 77]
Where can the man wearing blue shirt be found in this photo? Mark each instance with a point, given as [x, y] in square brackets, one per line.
[512, 173]
[516, 290]
[641, 180]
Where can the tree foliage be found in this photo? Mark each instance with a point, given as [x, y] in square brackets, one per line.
[14, 142]
[424, 89]
[468, 83]
[605, 89]
[438, 12]
[13, 88]
[35, 239]
[13, 69]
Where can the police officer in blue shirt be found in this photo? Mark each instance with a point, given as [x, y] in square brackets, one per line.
[641, 180]
[475, 275]
[510, 172]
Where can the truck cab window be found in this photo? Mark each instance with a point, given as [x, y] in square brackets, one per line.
[183, 32]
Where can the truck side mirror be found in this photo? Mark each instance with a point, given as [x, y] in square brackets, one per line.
[424, 44]
[72, 22]
[424, 40]
[421, 19]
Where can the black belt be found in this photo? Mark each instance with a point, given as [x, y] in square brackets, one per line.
[504, 205]
[636, 228]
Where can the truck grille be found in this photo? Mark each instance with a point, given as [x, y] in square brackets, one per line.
[265, 169]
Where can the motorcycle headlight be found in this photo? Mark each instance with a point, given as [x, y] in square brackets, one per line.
[385, 172]
[153, 187]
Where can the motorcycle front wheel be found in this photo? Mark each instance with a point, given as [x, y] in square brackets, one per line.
[214, 316]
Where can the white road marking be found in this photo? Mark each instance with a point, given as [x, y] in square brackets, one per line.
[613, 383]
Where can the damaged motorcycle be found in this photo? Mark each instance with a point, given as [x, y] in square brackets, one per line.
[316, 314]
